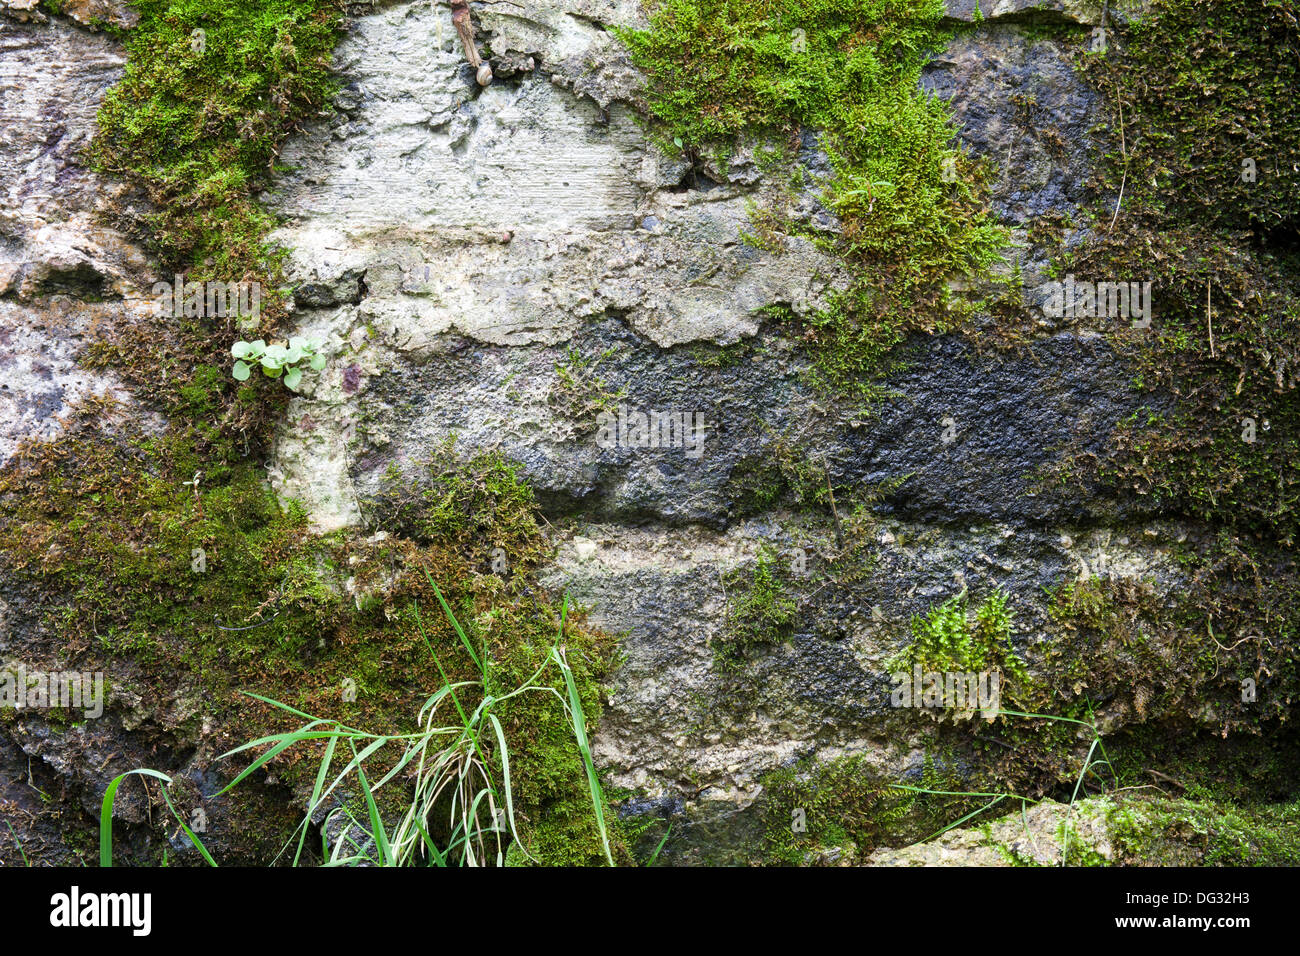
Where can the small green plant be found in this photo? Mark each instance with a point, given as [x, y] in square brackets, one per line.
[947, 639]
[19, 844]
[457, 801]
[277, 359]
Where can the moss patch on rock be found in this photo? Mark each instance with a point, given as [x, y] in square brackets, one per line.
[211, 90]
[760, 610]
[1202, 144]
[193, 595]
[908, 202]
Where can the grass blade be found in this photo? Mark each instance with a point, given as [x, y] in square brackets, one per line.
[106, 816]
[584, 747]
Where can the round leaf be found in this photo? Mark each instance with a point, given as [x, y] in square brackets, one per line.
[292, 378]
[241, 371]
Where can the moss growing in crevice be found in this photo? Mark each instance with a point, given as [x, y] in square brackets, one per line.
[841, 809]
[211, 90]
[760, 611]
[907, 201]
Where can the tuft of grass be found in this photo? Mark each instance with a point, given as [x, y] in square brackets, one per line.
[1096, 757]
[19, 844]
[463, 791]
[451, 797]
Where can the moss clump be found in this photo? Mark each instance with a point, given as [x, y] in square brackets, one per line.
[760, 612]
[1148, 654]
[950, 638]
[479, 507]
[848, 807]
[1196, 109]
[782, 473]
[211, 90]
[579, 393]
[907, 201]
[1157, 833]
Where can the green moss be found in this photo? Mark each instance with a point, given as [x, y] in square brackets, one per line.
[759, 610]
[1223, 835]
[479, 507]
[847, 805]
[908, 202]
[198, 119]
[1187, 651]
[194, 127]
[579, 393]
[1238, 770]
[1195, 90]
[1226, 93]
[213, 590]
[950, 639]
[784, 472]
[708, 355]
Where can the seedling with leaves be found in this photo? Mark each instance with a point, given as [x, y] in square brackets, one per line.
[277, 359]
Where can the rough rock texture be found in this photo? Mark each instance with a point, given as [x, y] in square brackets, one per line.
[54, 251]
[93, 14]
[458, 247]
[426, 210]
[1032, 838]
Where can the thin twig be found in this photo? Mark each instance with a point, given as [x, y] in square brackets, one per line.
[1165, 777]
[461, 21]
[839, 531]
